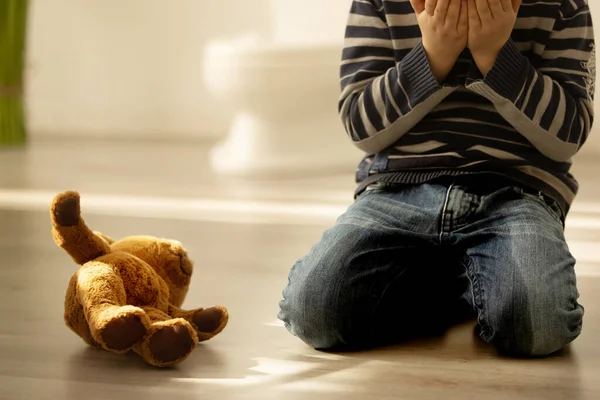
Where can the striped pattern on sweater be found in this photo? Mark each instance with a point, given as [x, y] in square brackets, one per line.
[524, 120]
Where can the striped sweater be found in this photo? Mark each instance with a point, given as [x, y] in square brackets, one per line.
[523, 121]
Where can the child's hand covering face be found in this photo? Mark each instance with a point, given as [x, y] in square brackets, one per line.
[490, 25]
[444, 29]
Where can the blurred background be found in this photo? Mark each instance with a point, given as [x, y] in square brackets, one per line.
[244, 89]
[192, 71]
[215, 123]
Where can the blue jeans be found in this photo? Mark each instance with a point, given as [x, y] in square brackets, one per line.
[412, 261]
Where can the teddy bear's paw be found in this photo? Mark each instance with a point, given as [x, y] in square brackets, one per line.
[210, 321]
[171, 342]
[123, 332]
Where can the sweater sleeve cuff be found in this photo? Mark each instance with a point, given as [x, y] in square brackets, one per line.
[417, 76]
[507, 74]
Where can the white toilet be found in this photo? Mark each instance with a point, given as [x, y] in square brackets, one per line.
[282, 95]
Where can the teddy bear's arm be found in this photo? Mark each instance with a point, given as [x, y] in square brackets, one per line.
[208, 322]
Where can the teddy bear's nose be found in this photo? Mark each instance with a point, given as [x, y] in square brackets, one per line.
[185, 263]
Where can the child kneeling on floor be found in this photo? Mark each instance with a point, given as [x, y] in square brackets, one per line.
[469, 113]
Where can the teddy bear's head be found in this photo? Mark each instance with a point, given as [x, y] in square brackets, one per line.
[167, 257]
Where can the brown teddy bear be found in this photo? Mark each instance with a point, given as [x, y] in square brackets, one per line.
[127, 294]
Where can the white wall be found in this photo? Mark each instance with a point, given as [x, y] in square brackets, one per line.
[134, 68]
[128, 68]
[309, 21]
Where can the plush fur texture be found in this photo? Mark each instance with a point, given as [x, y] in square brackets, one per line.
[126, 295]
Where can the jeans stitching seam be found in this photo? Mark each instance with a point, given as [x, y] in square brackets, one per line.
[477, 293]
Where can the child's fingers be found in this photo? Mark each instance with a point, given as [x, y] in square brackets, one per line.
[453, 12]
[516, 5]
[483, 9]
[473, 15]
[463, 19]
[441, 9]
[430, 6]
[506, 5]
[418, 6]
[495, 7]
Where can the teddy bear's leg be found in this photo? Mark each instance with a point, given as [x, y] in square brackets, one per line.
[208, 322]
[169, 341]
[74, 314]
[115, 326]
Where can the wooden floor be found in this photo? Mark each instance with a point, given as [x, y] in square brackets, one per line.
[242, 258]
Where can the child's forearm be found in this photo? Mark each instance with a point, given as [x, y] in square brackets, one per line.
[444, 28]
[552, 106]
[440, 65]
[378, 111]
[490, 25]
[485, 63]
[382, 99]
